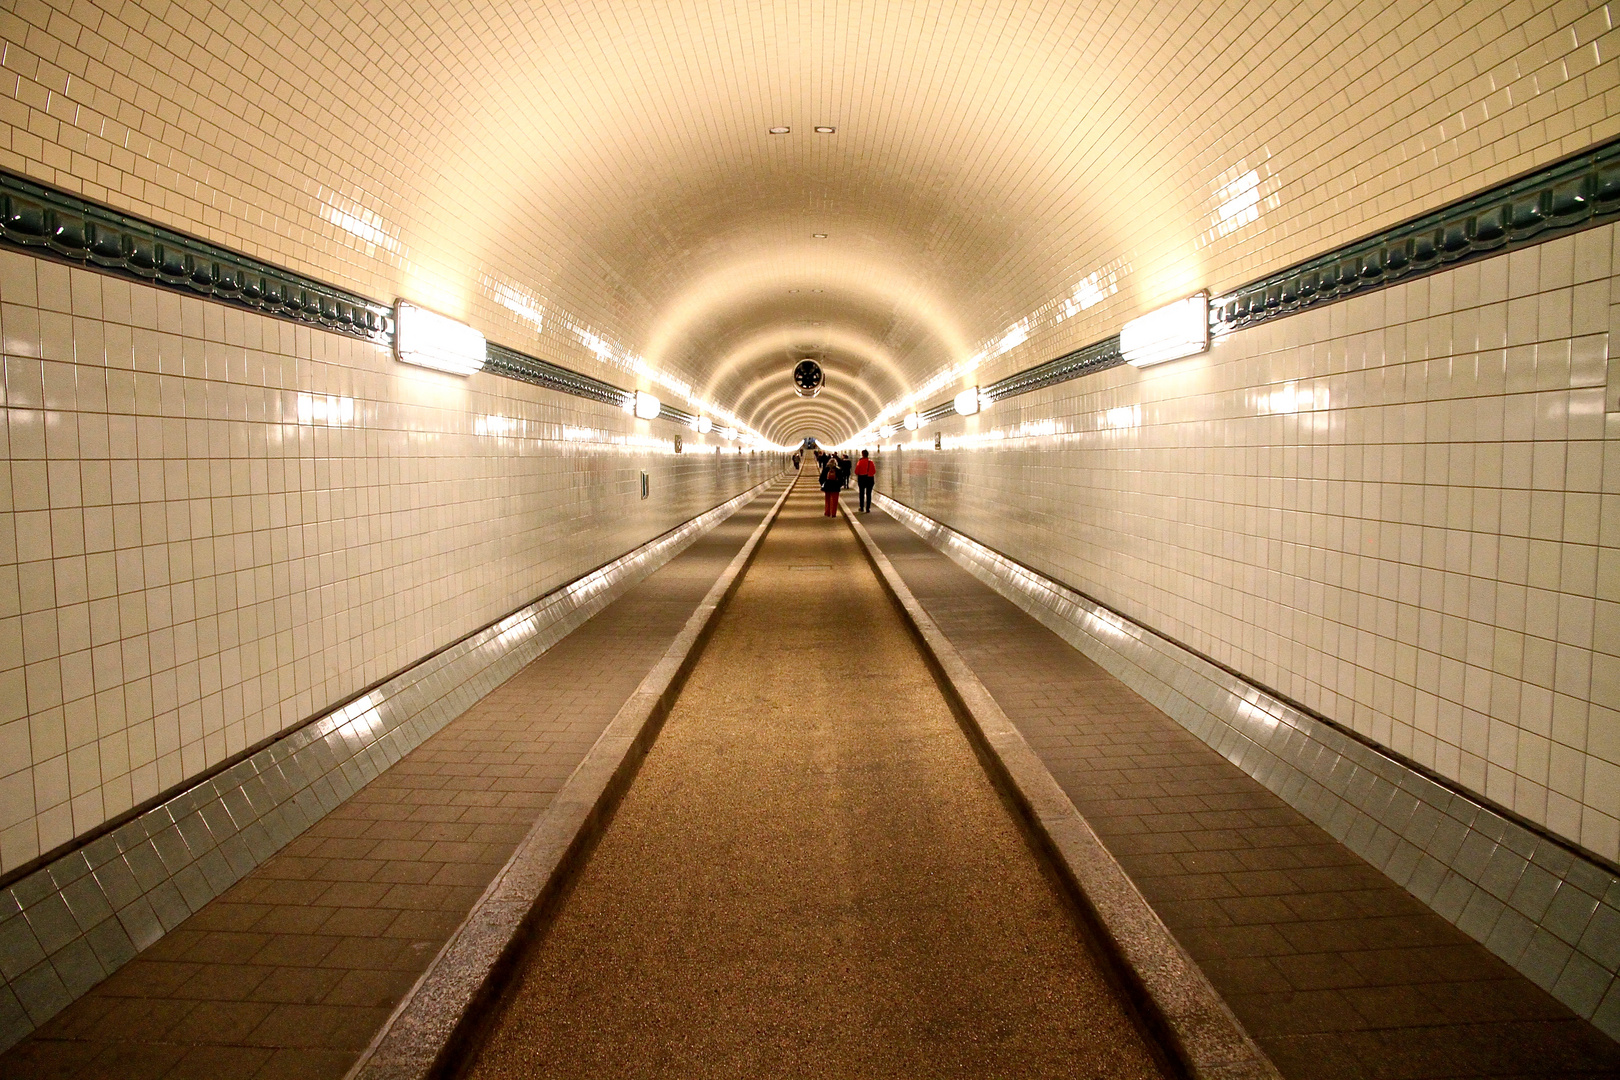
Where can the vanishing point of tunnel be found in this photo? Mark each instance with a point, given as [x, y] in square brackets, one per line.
[809, 538]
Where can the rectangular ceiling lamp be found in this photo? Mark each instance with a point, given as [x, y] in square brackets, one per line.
[1173, 331]
[967, 402]
[430, 340]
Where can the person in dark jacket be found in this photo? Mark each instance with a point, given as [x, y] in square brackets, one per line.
[843, 470]
[831, 483]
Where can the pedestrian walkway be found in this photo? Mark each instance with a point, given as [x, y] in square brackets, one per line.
[812, 876]
[291, 972]
[1336, 971]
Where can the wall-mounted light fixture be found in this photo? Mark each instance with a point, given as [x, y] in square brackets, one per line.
[885, 431]
[646, 406]
[430, 340]
[913, 421]
[704, 425]
[1169, 333]
[728, 433]
[967, 402]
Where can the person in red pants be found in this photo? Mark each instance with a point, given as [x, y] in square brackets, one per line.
[831, 482]
[866, 480]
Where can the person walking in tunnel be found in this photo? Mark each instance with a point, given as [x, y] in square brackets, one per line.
[865, 480]
[843, 470]
[832, 481]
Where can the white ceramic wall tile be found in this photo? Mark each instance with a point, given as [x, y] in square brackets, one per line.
[67, 925]
[213, 524]
[1543, 909]
[605, 168]
[1402, 510]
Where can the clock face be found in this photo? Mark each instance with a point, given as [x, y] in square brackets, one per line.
[807, 378]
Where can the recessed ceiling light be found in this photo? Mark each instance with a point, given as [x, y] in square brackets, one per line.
[780, 130]
[823, 129]
[819, 235]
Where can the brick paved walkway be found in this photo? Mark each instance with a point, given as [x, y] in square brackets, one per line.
[290, 973]
[1337, 972]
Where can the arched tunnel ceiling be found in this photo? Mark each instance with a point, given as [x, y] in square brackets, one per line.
[596, 181]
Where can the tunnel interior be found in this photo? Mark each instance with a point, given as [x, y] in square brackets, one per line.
[1246, 364]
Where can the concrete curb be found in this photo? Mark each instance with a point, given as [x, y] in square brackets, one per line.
[430, 1030]
[1190, 1018]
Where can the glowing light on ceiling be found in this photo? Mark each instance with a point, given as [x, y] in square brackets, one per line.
[967, 402]
[1093, 289]
[364, 224]
[1238, 203]
[515, 298]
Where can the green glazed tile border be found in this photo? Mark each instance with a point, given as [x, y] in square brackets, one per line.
[1576, 193]
[54, 224]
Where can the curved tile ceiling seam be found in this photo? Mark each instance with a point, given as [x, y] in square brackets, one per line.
[842, 380]
[833, 405]
[821, 334]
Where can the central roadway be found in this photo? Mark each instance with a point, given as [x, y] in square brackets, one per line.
[812, 875]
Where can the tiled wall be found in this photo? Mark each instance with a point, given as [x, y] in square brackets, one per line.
[67, 925]
[214, 524]
[1550, 914]
[1402, 510]
[607, 165]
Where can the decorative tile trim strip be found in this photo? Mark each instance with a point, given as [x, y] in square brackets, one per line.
[54, 224]
[1551, 913]
[1103, 355]
[72, 923]
[499, 360]
[44, 221]
[1574, 194]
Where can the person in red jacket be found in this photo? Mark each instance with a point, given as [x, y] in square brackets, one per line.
[866, 480]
